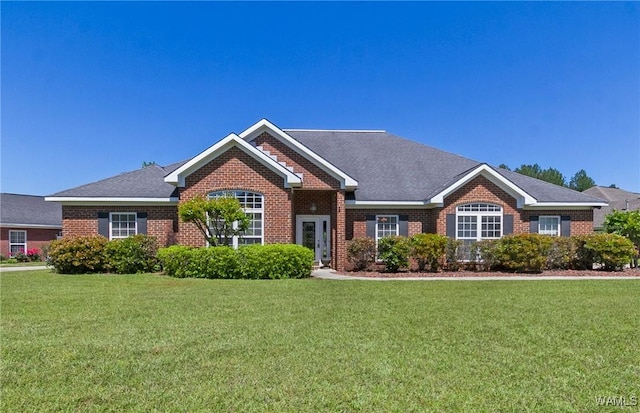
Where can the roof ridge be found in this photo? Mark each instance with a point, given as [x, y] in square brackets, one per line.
[334, 130]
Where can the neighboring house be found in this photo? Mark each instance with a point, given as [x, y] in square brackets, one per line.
[321, 188]
[27, 222]
[618, 199]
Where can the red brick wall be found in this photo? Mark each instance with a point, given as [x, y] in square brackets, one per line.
[479, 189]
[581, 221]
[356, 224]
[162, 221]
[36, 238]
[313, 177]
[237, 170]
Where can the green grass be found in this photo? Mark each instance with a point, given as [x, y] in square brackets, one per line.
[6, 263]
[153, 343]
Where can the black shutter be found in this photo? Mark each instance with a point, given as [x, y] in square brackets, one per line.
[565, 226]
[533, 224]
[403, 225]
[141, 218]
[371, 226]
[507, 228]
[103, 224]
[451, 226]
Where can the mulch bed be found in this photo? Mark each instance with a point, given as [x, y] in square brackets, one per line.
[629, 272]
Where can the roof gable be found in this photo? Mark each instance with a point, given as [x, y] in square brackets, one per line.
[346, 181]
[522, 197]
[177, 177]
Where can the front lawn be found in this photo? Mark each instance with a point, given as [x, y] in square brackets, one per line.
[153, 343]
[6, 263]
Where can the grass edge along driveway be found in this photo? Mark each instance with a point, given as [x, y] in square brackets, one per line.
[149, 342]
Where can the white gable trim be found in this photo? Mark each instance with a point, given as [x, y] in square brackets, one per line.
[178, 176]
[522, 197]
[346, 182]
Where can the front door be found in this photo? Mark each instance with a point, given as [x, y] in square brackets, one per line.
[313, 232]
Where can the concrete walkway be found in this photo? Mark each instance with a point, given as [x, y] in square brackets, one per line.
[328, 274]
[26, 268]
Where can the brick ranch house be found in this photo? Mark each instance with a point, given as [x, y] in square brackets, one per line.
[322, 188]
[27, 222]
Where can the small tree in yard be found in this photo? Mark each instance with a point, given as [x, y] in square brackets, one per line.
[218, 219]
[625, 223]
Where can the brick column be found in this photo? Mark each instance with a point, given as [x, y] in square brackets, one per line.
[339, 255]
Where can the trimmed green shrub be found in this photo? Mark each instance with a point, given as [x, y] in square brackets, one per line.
[394, 252]
[563, 254]
[78, 255]
[21, 257]
[275, 261]
[453, 254]
[252, 261]
[428, 250]
[131, 255]
[522, 252]
[361, 252]
[584, 258]
[484, 254]
[612, 251]
[214, 262]
[175, 260]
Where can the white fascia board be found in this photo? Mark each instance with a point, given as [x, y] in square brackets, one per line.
[351, 204]
[178, 176]
[346, 182]
[565, 205]
[30, 226]
[522, 197]
[77, 200]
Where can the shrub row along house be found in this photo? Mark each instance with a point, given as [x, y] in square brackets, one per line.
[322, 188]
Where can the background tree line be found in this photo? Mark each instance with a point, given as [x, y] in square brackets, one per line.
[579, 182]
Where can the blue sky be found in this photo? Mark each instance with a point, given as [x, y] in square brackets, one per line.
[90, 90]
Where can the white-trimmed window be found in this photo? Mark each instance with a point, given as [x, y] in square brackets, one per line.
[17, 243]
[252, 204]
[122, 224]
[549, 225]
[386, 226]
[476, 222]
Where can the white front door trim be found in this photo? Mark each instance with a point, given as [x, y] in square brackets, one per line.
[322, 237]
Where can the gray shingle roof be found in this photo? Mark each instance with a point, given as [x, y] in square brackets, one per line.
[545, 191]
[611, 194]
[28, 210]
[147, 182]
[387, 168]
[619, 200]
[391, 168]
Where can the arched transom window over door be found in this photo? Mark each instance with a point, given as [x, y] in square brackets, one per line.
[478, 221]
[252, 204]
